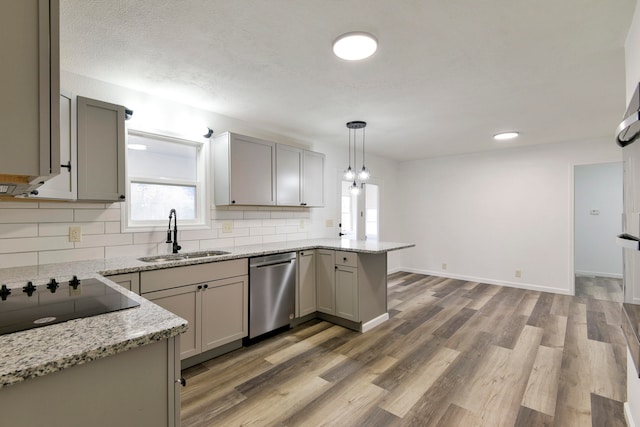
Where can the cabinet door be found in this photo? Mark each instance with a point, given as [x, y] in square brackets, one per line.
[30, 85]
[306, 302]
[313, 179]
[347, 293]
[64, 186]
[224, 311]
[183, 302]
[288, 174]
[325, 281]
[251, 174]
[130, 281]
[101, 136]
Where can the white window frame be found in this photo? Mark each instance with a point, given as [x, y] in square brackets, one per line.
[202, 220]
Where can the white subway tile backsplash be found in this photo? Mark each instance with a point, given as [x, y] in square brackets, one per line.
[261, 231]
[19, 204]
[225, 215]
[37, 232]
[256, 214]
[34, 244]
[18, 260]
[253, 240]
[286, 229]
[95, 240]
[131, 250]
[274, 238]
[87, 215]
[68, 255]
[112, 227]
[216, 243]
[21, 216]
[63, 229]
[18, 230]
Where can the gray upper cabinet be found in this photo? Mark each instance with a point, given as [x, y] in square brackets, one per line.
[101, 151]
[288, 173]
[312, 178]
[30, 82]
[243, 170]
[299, 177]
[64, 186]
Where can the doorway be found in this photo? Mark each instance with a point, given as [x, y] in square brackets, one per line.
[360, 213]
[597, 220]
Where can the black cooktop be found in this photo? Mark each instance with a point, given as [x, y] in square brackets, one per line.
[35, 306]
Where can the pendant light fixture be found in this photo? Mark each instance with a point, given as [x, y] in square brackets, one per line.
[349, 174]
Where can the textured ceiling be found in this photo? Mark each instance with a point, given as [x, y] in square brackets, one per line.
[448, 74]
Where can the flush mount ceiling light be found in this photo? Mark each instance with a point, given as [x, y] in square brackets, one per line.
[506, 135]
[355, 46]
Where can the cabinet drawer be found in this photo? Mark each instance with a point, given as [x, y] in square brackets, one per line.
[157, 280]
[349, 259]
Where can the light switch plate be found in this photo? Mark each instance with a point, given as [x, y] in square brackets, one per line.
[75, 234]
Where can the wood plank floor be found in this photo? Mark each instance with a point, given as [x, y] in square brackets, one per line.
[454, 353]
[604, 288]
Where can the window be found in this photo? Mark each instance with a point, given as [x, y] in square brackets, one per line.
[165, 173]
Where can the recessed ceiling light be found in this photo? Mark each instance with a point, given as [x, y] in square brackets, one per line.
[355, 46]
[506, 135]
[139, 147]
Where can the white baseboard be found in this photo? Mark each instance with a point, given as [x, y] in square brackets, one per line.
[520, 285]
[367, 326]
[627, 415]
[598, 274]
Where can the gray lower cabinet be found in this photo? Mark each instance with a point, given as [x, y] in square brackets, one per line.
[101, 151]
[130, 281]
[212, 297]
[138, 387]
[350, 285]
[306, 280]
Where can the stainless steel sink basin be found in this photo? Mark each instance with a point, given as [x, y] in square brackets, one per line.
[178, 257]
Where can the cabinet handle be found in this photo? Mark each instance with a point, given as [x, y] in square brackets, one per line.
[68, 165]
[199, 286]
[335, 267]
[233, 202]
[122, 197]
[206, 286]
[303, 204]
[182, 382]
[344, 259]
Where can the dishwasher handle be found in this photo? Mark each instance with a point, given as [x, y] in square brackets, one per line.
[272, 264]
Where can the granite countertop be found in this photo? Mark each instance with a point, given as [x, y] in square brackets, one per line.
[41, 351]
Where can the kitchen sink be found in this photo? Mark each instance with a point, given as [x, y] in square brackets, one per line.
[178, 257]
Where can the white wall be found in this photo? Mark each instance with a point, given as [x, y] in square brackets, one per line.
[489, 214]
[598, 188]
[36, 232]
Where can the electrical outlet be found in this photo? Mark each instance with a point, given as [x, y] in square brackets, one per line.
[518, 273]
[227, 227]
[75, 234]
[302, 224]
[329, 223]
[444, 266]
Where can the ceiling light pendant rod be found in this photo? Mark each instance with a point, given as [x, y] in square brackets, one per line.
[349, 174]
[364, 173]
[354, 188]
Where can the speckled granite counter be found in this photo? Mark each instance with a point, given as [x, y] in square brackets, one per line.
[41, 351]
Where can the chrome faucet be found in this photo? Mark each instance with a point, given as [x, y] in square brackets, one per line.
[176, 247]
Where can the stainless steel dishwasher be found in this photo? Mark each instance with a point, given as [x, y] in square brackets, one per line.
[272, 289]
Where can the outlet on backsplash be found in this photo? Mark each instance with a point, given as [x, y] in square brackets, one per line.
[75, 234]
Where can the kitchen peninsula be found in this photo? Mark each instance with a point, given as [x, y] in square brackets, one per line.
[105, 361]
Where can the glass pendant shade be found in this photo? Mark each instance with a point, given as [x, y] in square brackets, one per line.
[355, 190]
[349, 174]
[364, 174]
